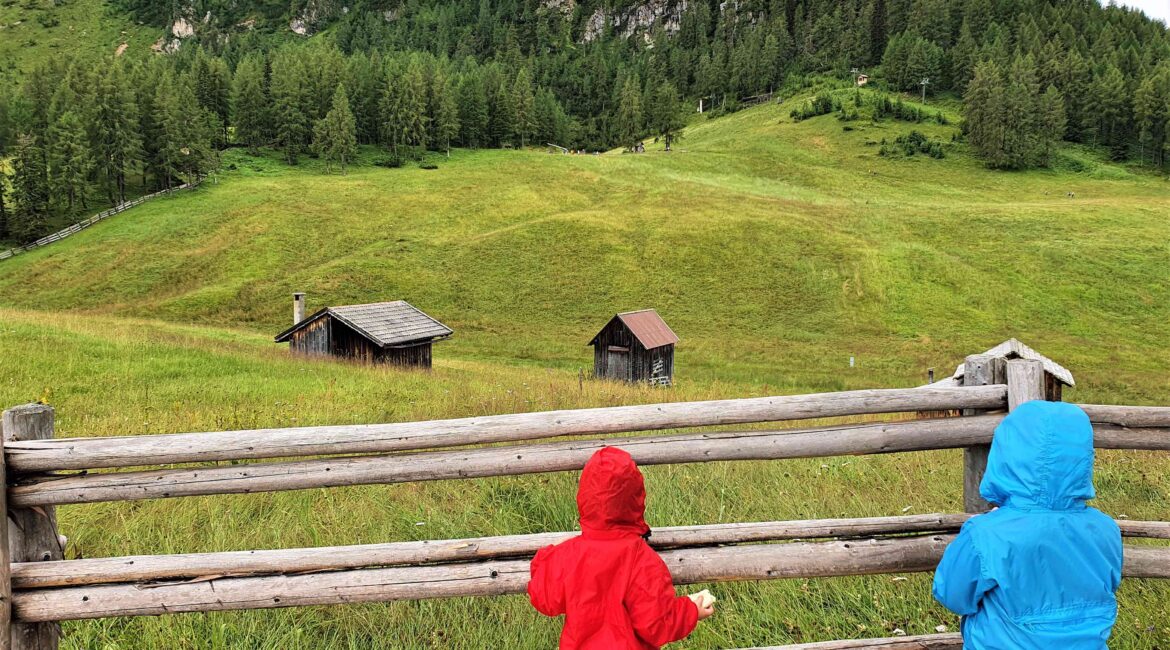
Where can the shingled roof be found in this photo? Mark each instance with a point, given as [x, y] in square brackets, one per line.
[1014, 349]
[646, 326]
[387, 324]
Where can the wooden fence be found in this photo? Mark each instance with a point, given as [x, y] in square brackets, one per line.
[41, 588]
[82, 225]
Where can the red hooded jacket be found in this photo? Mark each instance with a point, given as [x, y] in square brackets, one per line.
[614, 590]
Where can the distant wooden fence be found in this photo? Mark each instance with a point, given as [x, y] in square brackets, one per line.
[41, 587]
[82, 225]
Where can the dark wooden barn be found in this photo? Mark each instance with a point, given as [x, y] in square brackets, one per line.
[635, 346]
[382, 332]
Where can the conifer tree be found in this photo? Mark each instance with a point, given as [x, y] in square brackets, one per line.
[1109, 104]
[30, 189]
[290, 104]
[1053, 122]
[1152, 111]
[335, 135]
[70, 160]
[250, 103]
[172, 129]
[1022, 144]
[473, 110]
[524, 121]
[984, 113]
[630, 111]
[446, 118]
[118, 130]
[3, 204]
[666, 113]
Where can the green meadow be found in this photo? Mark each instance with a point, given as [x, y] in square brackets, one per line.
[32, 31]
[776, 250]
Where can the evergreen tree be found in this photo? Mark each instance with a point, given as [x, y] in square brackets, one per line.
[335, 135]
[3, 204]
[1152, 111]
[473, 111]
[666, 113]
[213, 87]
[501, 112]
[70, 159]
[630, 112]
[1022, 145]
[984, 113]
[964, 56]
[172, 131]
[30, 189]
[524, 122]
[119, 143]
[1052, 121]
[290, 104]
[446, 118]
[1111, 107]
[250, 103]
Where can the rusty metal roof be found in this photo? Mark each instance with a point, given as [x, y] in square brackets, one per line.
[646, 326]
[385, 323]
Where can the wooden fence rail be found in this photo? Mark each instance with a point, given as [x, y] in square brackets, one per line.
[42, 588]
[133, 451]
[515, 460]
[104, 214]
[502, 577]
[156, 568]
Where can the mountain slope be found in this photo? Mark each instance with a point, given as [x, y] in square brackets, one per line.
[776, 248]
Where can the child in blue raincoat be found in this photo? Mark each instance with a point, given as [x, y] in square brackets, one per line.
[1041, 570]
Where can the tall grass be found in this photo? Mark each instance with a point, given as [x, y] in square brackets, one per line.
[776, 250]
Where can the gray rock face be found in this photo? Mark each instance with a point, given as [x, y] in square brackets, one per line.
[640, 18]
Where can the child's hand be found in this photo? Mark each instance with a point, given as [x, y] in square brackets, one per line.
[705, 603]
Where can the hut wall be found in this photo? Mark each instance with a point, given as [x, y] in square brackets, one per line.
[349, 344]
[415, 356]
[617, 354]
[609, 359]
[312, 339]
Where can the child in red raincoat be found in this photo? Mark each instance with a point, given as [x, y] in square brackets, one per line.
[614, 590]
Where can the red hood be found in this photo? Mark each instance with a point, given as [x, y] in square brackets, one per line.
[611, 498]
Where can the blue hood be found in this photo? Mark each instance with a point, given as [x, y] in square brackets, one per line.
[1041, 457]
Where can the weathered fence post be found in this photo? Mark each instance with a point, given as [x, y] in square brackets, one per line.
[5, 560]
[978, 370]
[32, 532]
[1026, 381]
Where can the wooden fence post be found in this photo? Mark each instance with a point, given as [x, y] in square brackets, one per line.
[5, 560]
[1026, 382]
[31, 532]
[978, 370]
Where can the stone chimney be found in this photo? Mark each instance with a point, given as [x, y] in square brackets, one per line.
[298, 307]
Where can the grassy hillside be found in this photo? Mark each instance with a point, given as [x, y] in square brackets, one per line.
[34, 30]
[114, 376]
[776, 250]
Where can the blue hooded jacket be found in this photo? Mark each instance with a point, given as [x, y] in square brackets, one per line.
[1042, 569]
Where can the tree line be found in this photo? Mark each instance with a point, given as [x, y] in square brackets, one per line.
[493, 73]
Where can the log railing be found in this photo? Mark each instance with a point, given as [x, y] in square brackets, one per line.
[42, 588]
[86, 223]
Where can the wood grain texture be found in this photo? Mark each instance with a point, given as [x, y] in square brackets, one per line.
[137, 451]
[238, 563]
[502, 577]
[143, 568]
[874, 438]
[32, 532]
[491, 578]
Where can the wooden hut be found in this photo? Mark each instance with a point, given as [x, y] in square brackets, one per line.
[635, 346]
[383, 332]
